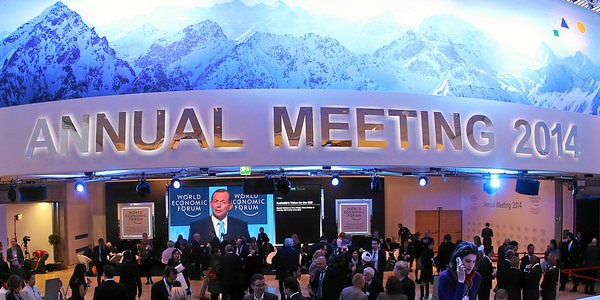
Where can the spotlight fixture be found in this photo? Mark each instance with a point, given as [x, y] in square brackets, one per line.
[487, 187]
[491, 184]
[423, 180]
[495, 181]
[444, 178]
[575, 186]
[79, 186]
[335, 180]
[175, 183]
[375, 183]
[143, 188]
[283, 185]
[12, 191]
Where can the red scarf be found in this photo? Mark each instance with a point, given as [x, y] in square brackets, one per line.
[469, 279]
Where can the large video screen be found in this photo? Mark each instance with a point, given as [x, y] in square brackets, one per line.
[191, 205]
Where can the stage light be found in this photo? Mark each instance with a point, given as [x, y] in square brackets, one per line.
[142, 188]
[335, 180]
[79, 186]
[375, 183]
[423, 180]
[444, 178]
[12, 191]
[488, 188]
[175, 183]
[495, 181]
[283, 185]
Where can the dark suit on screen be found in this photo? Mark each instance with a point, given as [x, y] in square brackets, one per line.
[235, 227]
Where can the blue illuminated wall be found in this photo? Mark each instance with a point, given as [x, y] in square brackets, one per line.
[545, 54]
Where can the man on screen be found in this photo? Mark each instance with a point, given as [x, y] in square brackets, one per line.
[223, 225]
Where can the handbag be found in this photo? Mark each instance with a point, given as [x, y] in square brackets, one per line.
[419, 264]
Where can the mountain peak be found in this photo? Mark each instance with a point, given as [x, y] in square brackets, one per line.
[57, 9]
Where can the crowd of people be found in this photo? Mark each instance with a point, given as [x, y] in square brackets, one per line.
[233, 268]
[337, 269]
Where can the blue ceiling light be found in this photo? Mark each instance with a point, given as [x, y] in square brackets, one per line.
[175, 183]
[80, 186]
[335, 180]
[491, 184]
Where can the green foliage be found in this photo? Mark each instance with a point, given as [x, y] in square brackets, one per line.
[54, 239]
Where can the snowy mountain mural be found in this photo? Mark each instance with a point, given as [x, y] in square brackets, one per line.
[57, 56]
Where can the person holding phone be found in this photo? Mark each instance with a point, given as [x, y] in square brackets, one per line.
[460, 280]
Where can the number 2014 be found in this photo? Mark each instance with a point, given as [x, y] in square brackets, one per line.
[544, 139]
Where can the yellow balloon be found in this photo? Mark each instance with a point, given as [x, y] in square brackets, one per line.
[581, 27]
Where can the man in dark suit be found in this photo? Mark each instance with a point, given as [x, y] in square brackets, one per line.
[15, 258]
[241, 249]
[486, 269]
[408, 285]
[502, 250]
[570, 257]
[378, 259]
[526, 259]
[444, 252]
[161, 290]
[326, 282]
[286, 259]
[591, 258]
[100, 258]
[230, 275]
[291, 288]
[373, 286]
[109, 289]
[487, 233]
[406, 253]
[427, 239]
[222, 224]
[130, 276]
[532, 274]
[257, 281]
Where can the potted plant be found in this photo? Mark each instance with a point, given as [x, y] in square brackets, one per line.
[54, 240]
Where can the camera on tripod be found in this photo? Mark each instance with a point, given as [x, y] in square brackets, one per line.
[26, 239]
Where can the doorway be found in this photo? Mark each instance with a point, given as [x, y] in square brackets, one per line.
[587, 211]
[439, 223]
